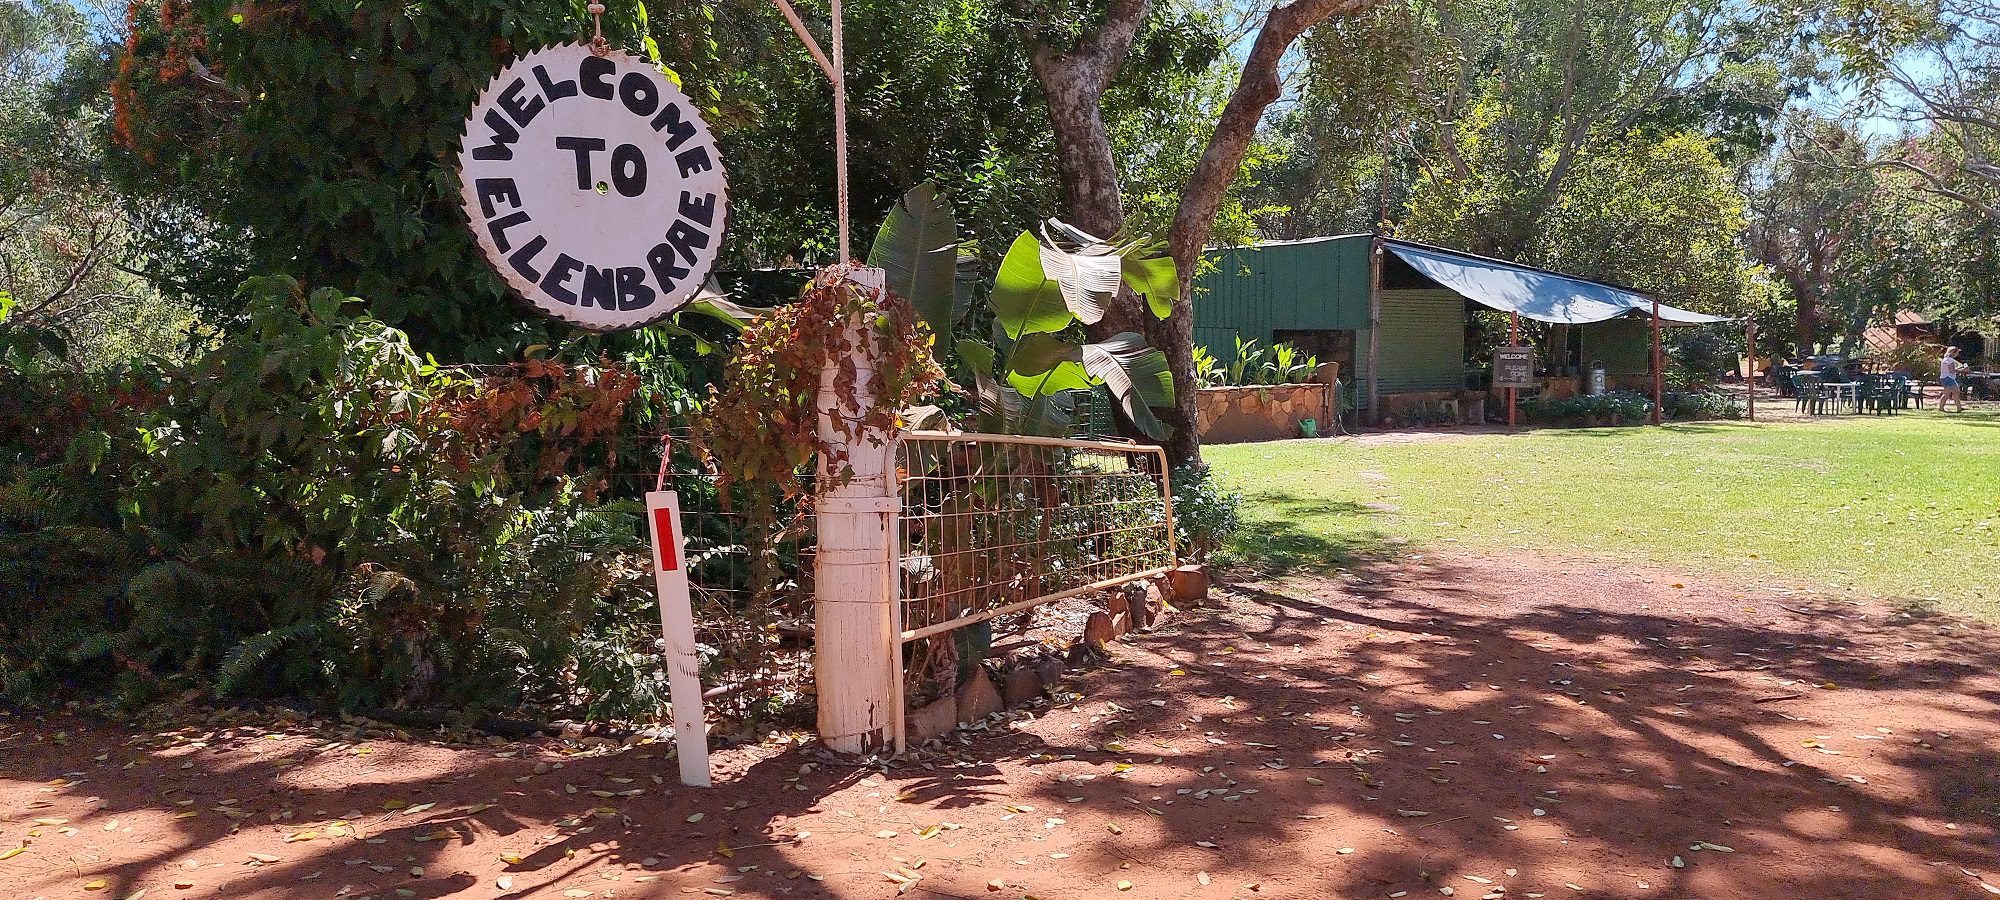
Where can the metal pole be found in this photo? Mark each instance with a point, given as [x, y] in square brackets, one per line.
[1374, 335]
[1513, 340]
[1750, 378]
[836, 74]
[1656, 361]
[840, 132]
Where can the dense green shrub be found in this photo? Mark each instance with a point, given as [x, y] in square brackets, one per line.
[1701, 405]
[1602, 409]
[310, 510]
[1205, 515]
[1628, 407]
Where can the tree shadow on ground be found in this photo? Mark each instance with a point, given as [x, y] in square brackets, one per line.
[1636, 734]
[1411, 714]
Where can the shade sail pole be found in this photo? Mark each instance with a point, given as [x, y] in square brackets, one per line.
[1656, 361]
[1513, 340]
[1750, 378]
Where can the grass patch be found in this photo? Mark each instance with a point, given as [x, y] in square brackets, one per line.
[1904, 507]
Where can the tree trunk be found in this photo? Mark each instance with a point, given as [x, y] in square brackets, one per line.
[1074, 82]
[1220, 161]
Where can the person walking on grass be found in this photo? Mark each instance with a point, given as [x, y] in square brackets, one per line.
[1949, 370]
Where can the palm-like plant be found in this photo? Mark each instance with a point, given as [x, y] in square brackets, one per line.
[1048, 287]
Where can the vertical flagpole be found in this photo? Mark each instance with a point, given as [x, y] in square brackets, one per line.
[1656, 361]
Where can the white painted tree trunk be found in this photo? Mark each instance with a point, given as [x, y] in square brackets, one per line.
[857, 666]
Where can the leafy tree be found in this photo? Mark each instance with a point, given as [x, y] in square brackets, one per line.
[1811, 217]
[1076, 59]
[64, 241]
[1663, 213]
[1517, 96]
[1934, 66]
[225, 115]
[1333, 160]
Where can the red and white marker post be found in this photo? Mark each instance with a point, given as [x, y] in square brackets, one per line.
[663, 519]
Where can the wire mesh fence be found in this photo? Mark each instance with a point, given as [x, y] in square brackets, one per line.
[749, 557]
[996, 524]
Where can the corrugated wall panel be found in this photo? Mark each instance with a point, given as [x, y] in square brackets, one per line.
[1319, 285]
[1423, 341]
[1625, 346]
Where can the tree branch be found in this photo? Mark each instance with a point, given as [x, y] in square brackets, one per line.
[1258, 86]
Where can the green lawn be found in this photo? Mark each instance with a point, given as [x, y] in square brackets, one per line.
[1906, 507]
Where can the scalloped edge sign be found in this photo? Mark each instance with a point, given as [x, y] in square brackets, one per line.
[593, 186]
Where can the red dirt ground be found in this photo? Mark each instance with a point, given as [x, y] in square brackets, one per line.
[1474, 726]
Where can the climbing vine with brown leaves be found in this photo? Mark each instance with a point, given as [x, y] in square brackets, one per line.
[763, 425]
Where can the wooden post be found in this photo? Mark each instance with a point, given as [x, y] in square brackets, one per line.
[1513, 340]
[857, 659]
[1657, 374]
[663, 516]
[1750, 378]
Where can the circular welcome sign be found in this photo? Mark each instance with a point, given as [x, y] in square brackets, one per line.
[593, 186]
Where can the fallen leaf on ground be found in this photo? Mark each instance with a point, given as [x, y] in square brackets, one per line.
[96, 884]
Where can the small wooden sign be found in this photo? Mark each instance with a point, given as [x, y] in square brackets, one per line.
[663, 518]
[1514, 367]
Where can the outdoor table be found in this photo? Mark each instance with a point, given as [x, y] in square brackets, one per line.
[1845, 392]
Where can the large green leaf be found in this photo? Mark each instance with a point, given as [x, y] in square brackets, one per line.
[1025, 301]
[1088, 275]
[1067, 375]
[977, 357]
[1038, 353]
[1148, 270]
[917, 249]
[1136, 375]
[713, 302]
[1002, 409]
[1043, 364]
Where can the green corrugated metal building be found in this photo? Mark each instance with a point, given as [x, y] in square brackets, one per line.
[1319, 294]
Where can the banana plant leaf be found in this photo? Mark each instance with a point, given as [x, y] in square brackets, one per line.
[1088, 276]
[917, 249]
[1135, 374]
[1149, 271]
[1025, 301]
[1004, 410]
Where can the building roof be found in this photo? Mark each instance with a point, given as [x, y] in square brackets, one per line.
[1534, 293]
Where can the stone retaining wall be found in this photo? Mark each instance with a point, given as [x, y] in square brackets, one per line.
[1234, 415]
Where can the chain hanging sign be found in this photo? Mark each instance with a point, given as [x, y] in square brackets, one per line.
[593, 186]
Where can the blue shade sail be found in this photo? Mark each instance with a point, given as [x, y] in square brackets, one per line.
[1534, 293]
